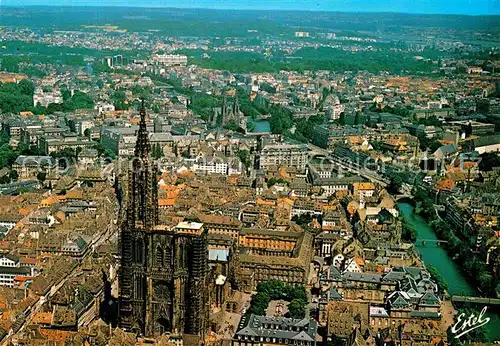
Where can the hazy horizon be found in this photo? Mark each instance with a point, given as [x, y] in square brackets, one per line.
[451, 7]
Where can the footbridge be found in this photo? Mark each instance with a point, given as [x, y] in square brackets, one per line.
[424, 242]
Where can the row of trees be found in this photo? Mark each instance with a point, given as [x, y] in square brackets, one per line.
[29, 58]
[430, 144]
[304, 128]
[437, 278]
[15, 98]
[277, 290]
[7, 158]
[281, 119]
[409, 233]
[430, 121]
[157, 151]
[311, 59]
[474, 267]
[324, 58]
[245, 158]
[79, 100]
[354, 120]
[7, 154]
[119, 98]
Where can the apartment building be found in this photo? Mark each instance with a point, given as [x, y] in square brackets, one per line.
[283, 154]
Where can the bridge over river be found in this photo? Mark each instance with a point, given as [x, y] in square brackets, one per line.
[424, 242]
[348, 164]
[475, 300]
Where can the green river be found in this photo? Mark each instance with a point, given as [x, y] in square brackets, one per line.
[438, 257]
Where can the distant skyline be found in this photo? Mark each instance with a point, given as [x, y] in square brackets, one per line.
[467, 7]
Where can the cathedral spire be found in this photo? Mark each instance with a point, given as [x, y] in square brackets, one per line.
[236, 104]
[142, 146]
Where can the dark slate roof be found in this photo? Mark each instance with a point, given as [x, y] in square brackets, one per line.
[10, 257]
[334, 295]
[15, 271]
[81, 243]
[334, 273]
[381, 260]
[426, 284]
[277, 327]
[24, 160]
[414, 272]
[362, 277]
[319, 260]
[399, 299]
[303, 336]
[385, 215]
[486, 140]
[317, 181]
[393, 276]
[425, 314]
[448, 149]
[247, 331]
[429, 299]
[408, 284]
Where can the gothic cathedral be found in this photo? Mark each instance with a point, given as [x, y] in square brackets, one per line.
[164, 270]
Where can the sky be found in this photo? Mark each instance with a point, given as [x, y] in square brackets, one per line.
[471, 7]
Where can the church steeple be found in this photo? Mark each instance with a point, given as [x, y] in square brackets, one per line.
[142, 146]
[142, 199]
[236, 105]
[224, 108]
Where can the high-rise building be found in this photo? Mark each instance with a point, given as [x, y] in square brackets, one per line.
[164, 270]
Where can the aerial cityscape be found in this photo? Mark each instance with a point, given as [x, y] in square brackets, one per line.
[249, 173]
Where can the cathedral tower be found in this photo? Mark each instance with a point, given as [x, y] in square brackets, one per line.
[164, 270]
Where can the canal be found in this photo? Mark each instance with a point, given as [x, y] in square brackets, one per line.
[437, 257]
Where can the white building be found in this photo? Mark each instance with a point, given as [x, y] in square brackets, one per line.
[301, 34]
[145, 82]
[434, 105]
[8, 260]
[277, 154]
[330, 184]
[10, 267]
[352, 266]
[44, 99]
[170, 59]
[81, 125]
[8, 222]
[104, 108]
[364, 190]
[213, 165]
